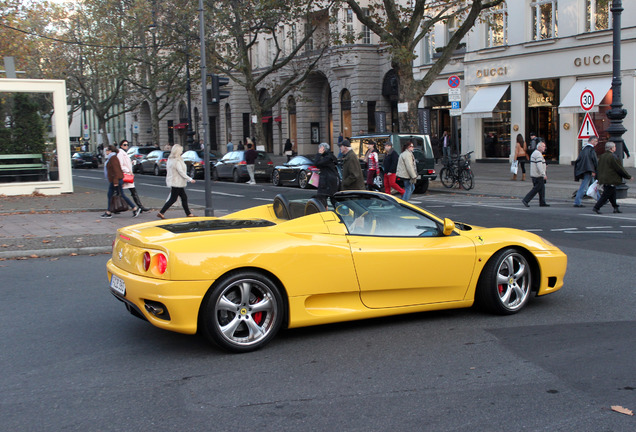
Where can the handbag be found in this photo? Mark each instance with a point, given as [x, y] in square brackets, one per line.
[592, 191]
[514, 166]
[315, 179]
[118, 204]
[129, 178]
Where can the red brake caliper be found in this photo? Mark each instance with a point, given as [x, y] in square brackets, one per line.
[501, 289]
[258, 316]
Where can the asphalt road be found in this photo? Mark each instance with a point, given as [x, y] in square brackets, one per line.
[74, 359]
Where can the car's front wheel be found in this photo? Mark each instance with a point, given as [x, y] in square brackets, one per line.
[276, 178]
[243, 312]
[303, 179]
[157, 172]
[505, 284]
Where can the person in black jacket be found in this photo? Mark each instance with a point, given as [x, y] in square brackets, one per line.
[585, 169]
[328, 182]
[390, 168]
[610, 175]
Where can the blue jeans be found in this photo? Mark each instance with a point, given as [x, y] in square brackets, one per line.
[111, 192]
[408, 190]
[585, 183]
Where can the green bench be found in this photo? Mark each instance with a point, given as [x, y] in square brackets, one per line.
[22, 168]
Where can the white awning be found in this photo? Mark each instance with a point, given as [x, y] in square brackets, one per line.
[599, 87]
[439, 87]
[484, 101]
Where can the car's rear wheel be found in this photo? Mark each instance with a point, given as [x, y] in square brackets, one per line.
[505, 284]
[303, 181]
[243, 312]
[421, 186]
[276, 178]
[235, 176]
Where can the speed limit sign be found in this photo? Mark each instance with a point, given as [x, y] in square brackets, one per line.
[587, 100]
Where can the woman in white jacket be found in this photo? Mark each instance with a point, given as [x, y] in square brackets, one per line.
[126, 167]
[176, 180]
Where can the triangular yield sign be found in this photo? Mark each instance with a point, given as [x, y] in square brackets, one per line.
[587, 128]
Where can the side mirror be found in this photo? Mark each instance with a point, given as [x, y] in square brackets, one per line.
[449, 227]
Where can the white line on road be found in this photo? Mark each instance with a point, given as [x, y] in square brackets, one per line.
[563, 229]
[598, 227]
[594, 232]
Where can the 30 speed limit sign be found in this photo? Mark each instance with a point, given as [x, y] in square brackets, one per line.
[587, 100]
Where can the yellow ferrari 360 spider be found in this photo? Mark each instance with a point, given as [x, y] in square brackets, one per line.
[240, 278]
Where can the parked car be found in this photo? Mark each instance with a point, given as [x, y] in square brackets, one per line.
[240, 278]
[233, 166]
[297, 170]
[154, 162]
[423, 153]
[84, 160]
[194, 163]
[136, 154]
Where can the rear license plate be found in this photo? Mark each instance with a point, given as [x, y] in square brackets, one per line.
[118, 285]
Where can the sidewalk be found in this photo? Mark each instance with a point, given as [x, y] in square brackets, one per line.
[37, 226]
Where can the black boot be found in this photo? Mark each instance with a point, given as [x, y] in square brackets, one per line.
[137, 201]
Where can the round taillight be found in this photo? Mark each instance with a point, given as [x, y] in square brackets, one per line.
[162, 263]
[146, 261]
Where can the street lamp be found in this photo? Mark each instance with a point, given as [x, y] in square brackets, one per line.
[190, 132]
[616, 114]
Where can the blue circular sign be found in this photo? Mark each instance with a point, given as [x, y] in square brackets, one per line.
[453, 82]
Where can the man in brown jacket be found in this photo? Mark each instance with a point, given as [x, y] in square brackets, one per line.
[610, 175]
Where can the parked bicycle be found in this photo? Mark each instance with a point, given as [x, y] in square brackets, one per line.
[457, 171]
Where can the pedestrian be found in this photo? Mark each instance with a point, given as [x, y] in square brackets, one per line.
[328, 182]
[288, 149]
[446, 145]
[610, 175]
[373, 164]
[390, 168]
[250, 160]
[585, 169]
[340, 138]
[539, 176]
[115, 176]
[532, 143]
[521, 156]
[126, 167]
[352, 178]
[176, 179]
[240, 145]
[407, 169]
[229, 146]
[437, 147]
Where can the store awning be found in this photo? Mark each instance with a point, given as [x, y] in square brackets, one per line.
[278, 119]
[180, 126]
[484, 101]
[599, 87]
[439, 87]
[266, 119]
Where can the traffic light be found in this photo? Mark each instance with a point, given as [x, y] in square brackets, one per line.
[218, 82]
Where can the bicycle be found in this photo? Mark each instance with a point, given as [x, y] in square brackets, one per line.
[457, 171]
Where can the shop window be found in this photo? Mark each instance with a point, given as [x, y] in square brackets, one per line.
[345, 113]
[544, 19]
[496, 130]
[598, 14]
[497, 24]
[542, 100]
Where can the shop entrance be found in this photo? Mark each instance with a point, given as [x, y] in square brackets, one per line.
[542, 115]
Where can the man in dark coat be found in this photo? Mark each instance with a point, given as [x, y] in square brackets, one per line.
[610, 175]
[328, 182]
[352, 178]
[585, 169]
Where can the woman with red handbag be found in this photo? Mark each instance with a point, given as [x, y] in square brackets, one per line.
[115, 176]
[129, 178]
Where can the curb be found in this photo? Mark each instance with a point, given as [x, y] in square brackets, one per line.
[41, 253]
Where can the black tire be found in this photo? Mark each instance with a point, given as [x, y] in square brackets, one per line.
[446, 177]
[505, 284]
[303, 179]
[276, 178]
[156, 170]
[421, 186]
[235, 176]
[467, 179]
[243, 312]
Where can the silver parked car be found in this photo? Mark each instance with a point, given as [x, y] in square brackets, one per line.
[233, 166]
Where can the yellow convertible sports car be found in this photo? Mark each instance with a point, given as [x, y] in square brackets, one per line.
[240, 278]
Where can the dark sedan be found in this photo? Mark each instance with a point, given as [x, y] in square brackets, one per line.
[233, 166]
[297, 171]
[84, 160]
[154, 162]
[194, 162]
